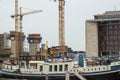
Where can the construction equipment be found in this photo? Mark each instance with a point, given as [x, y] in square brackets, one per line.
[19, 30]
[16, 28]
[61, 25]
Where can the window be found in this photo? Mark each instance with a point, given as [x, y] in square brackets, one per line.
[50, 68]
[116, 37]
[92, 69]
[95, 68]
[103, 68]
[22, 65]
[60, 67]
[99, 68]
[116, 48]
[110, 27]
[111, 37]
[115, 27]
[110, 32]
[11, 67]
[88, 70]
[111, 43]
[115, 32]
[66, 67]
[55, 68]
[115, 42]
[41, 68]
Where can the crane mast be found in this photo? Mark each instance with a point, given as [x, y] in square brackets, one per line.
[21, 33]
[16, 29]
[16, 17]
[62, 26]
[61, 23]
[61, 9]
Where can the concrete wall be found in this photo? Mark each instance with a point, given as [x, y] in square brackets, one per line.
[91, 39]
[6, 40]
[13, 49]
[34, 47]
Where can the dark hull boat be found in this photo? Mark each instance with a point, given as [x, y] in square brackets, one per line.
[109, 75]
[80, 68]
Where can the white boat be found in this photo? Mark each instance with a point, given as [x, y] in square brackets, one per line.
[57, 69]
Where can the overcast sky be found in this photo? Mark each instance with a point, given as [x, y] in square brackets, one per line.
[46, 23]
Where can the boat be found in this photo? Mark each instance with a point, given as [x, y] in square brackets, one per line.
[63, 68]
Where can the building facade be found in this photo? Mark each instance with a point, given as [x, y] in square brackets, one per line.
[34, 41]
[16, 45]
[4, 40]
[103, 34]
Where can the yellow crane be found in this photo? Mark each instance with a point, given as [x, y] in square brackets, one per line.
[61, 25]
[19, 30]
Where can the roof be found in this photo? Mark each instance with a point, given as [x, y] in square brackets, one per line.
[3, 52]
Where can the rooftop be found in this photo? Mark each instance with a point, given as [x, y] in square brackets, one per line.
[108, 15]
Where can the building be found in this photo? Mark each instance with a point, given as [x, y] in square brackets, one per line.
[16, 47]
[103, 34]
[4, 41]
[4, 54]
[34, 41]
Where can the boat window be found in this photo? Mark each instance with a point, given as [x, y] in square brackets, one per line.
[77, 70]
[41, 68]
[95, 68]
[92, 69]
[66, 67]
[50, 68]
[11, 67]
[60, 67]
[33, 65]
[74, 70]
[22, 65]
[103, 68]
[99, 68]
[88, 69]
[55, 68]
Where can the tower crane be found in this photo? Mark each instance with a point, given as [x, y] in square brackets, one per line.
[61, 25]
[22, 14]
[19, 30]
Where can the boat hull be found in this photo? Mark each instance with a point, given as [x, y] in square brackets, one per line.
[111, 75]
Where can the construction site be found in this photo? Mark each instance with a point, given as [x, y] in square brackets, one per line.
[13, 42]
[39, 61]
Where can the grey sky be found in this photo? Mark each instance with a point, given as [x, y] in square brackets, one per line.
[46, 23]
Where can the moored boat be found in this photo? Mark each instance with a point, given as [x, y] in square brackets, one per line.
[66, 68]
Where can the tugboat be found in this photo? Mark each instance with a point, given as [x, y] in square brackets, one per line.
[77, 68]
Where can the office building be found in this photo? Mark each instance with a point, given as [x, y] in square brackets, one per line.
[103, 34]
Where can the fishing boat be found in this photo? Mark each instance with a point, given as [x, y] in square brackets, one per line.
[78, 68]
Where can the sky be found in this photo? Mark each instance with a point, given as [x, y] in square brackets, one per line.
[46, 22]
